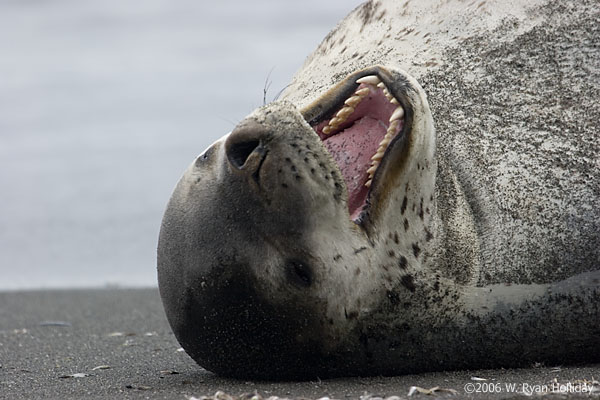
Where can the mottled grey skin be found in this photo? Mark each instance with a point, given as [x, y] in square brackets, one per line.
[481, 246]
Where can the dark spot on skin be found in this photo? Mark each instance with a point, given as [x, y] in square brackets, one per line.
[312, 170]
[416, 249]
[431, 198]
[405, 224]
[330, 321]
[298, 177]
[337, 257]
[408, 282]
[396, 238]
[351, 314]
[436, 286]
[287, 159]
[357, 271]
[356, 251]
[428, 235]
[391, 253]
[306, 160]
[293, 168]
[402, 262]
[421, 209]
[367, 13]
[403, 206]
[284, 185]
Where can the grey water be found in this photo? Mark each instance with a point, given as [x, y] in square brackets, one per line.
[103, 104]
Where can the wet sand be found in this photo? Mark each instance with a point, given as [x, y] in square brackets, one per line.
[116, 343]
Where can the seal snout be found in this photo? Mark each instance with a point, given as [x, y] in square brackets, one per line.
[244, 147]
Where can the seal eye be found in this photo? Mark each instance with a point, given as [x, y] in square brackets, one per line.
[202, 158]
[299, 273]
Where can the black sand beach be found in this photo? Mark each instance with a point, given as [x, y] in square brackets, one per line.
[116, 343]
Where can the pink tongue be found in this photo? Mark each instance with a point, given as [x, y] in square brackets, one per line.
[352, 149]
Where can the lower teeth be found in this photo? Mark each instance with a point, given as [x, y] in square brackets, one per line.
[368, 83]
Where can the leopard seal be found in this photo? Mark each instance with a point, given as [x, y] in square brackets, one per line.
[341, 231]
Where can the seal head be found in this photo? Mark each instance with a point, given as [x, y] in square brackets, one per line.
[267, 256]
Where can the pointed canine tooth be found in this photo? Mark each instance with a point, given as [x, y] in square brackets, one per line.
[372, 169]
[353, 101]
[368, 183]
[326, 130]
[378, 156]
[344, 112]
[386, 140]
[388, 95]
[369, 79]
[335, 121]
[381, 85]
[394, 101]
[397, 114]
[392, 128]
[362, 92]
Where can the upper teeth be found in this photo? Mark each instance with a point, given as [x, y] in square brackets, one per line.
[369, 83]
[397, 114]
[369, 80]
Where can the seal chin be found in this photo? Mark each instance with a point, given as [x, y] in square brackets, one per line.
[231, 328]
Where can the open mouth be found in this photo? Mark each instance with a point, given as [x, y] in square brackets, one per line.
[357, 133]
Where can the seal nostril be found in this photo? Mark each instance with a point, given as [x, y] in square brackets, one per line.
[300, 273]
[239, 152]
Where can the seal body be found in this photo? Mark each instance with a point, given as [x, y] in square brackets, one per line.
[338, 233]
